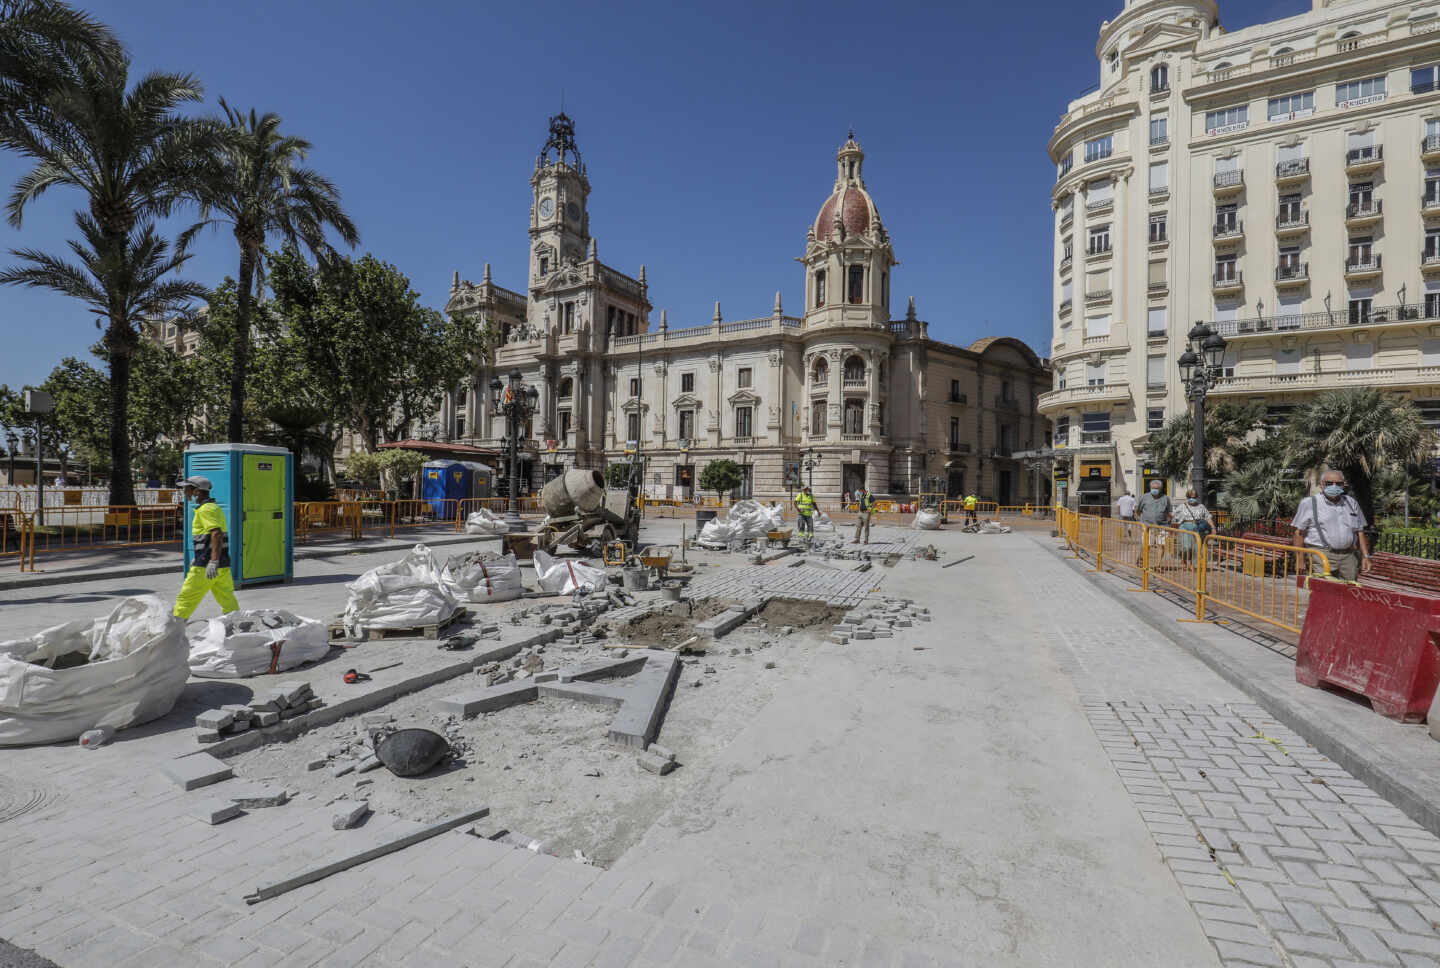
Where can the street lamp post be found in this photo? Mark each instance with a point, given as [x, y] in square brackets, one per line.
[812, 458]
[515, 402]
[1200, 368]
[13, 441]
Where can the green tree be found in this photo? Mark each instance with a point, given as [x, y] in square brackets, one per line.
[1231, 431]
[384, 467]
[258, 186]
[377, 359]
[1362, 432]
[41, 42]
[134, 158]
[721, 476]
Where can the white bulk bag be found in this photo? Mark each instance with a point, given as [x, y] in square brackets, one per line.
[927, 520]
[472, 580]
[135, 673]
[717, 533]
[564, 575]
[244, 643]
[821, 521]
[750, 519]
[485, 521]
[401, 594]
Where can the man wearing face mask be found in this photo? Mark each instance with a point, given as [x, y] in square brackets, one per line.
[1334, 524]
[1154, 505]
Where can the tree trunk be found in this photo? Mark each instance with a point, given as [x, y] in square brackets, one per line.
[1361, 488]
[122, 481]
[241, 344]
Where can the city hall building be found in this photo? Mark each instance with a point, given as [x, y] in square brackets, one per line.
[1281, 183]
[841, 392]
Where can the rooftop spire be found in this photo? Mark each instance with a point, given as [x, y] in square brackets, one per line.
[562, 142]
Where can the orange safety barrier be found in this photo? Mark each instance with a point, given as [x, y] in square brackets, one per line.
[14, 535]
[411, 513]
[1255, 578]
[1258, 579]
[104, 525]
[312, 517]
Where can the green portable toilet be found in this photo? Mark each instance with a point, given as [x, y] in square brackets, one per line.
[255, 487]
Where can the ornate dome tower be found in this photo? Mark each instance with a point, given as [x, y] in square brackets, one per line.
[848, 256]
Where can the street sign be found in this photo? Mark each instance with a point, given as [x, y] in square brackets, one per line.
[39, 402]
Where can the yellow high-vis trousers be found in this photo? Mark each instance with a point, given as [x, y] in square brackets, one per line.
[192, 593]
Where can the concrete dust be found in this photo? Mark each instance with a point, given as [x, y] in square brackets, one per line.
[799, 613]
[670, 627]
[546, 768]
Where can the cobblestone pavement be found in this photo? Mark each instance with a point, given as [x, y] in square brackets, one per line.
[845, 587]
[1285, 857]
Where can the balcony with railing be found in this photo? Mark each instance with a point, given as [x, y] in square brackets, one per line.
[956, 446]
[1094, 438]
[1430, 260]
[1292, 223]
[1002, 452]
[1229, 182]
[1229, 230]
[1292, 274]
[1003, 404]
[1367, 212]
[1065, 306]
[1099, 205]
[1097, 295]
[1362, 266]
[1084, 395]
[853, 383]
[958, 398]
[1098, 248]
[1430, 147]
[1408, 314]
[1162, 138]
[1228, 280]
[1360, 160]
[1294, 170]
[1327, 379]
[1066, 263]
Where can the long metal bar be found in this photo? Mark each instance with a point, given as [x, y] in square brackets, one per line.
[345, 863]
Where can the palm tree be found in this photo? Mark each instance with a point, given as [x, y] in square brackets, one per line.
[135, 159]
[259, 187]
[125, 283]
[1361, 432]
[40, 43]
[1229, 432]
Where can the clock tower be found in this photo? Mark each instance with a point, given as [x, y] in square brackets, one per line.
[559, 222]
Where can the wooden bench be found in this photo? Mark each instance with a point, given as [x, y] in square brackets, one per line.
[1390, 570]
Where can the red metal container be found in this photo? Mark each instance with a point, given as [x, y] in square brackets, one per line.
[1382, 643]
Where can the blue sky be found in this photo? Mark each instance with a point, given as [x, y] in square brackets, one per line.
[709, 132]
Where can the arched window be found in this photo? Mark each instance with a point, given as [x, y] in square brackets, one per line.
[1349, 33]
[854, 370]
[1285, 50]
[1221, 66]
[822, 372]
[567, 388]
[819, 287]
[817, 419]
[1160, 77]
[857, 284]
[854, 417]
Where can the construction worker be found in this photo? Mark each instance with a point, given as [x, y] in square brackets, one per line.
[970, 516]
[210, 553]
[864, 504]
[804, 510]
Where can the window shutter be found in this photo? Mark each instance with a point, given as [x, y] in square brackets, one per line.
[1156, 322]
[1159, 176]
[1157, 273]
[1155, 371]
[1098, 325]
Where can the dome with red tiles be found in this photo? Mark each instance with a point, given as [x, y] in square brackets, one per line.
[854, 213]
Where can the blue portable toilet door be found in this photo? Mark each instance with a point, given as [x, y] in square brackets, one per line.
[219, 469]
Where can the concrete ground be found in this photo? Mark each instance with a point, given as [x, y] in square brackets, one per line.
[1039, 776]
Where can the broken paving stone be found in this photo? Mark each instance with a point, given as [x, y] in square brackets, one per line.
[239, 712]
[196, 770]
[254, 796]
[214, 811]
[207, 736]
[368, 764]
[214, 719]
[348, 813]
[376, 719]
[652, 763]
[660, 751]
[343, 767]
[266, 719]
[317, 764]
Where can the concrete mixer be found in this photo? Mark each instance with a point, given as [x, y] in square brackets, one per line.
[582, 511]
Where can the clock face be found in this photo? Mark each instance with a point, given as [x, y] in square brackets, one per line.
[547, 207]
[573, 211]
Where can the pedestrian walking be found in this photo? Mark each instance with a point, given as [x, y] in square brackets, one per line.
[970, 503]
[804, 510]
[1192, 517]
[864, 504]
[1332, 522]
[1126, 506]
[210, 553]
[1153, 508]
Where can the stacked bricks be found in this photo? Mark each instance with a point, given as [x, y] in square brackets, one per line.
[283, 701]
[879, 620]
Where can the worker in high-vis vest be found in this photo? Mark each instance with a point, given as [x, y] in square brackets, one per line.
[210, 553]
[804, 512]
[970, 503]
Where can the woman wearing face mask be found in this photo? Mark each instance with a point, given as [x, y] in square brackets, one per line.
[1191, 516]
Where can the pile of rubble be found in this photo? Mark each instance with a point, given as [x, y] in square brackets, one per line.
[879, 621]
[284, 701]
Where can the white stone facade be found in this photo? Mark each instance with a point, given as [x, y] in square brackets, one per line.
[876, 398]
[1281, 182]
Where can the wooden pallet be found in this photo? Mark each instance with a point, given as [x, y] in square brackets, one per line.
[339, 633]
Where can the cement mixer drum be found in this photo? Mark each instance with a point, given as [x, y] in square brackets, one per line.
[578, 489]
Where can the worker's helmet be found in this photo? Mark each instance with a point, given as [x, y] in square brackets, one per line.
[199, 483]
